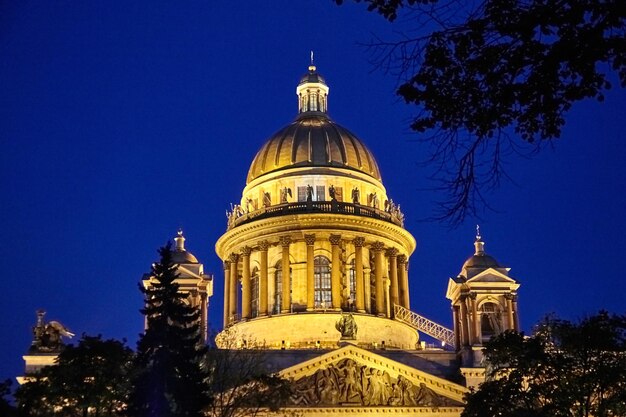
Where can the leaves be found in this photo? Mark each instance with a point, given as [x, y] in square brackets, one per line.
[564, 369]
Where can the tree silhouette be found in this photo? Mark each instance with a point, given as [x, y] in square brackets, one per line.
[171, 373]
[485, 73]
[565, 369]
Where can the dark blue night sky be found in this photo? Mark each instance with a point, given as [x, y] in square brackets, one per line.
[120, 123]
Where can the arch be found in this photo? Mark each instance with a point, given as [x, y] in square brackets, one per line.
[322, 282]
[490, 319]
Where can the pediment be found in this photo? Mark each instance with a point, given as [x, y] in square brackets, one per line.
[491, 275]
[351, 376]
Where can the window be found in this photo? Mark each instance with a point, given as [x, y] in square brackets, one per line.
[322, 281]
[352, 278]
[302, 193]
[254, 290]
[320, 193]
[278, 287]
[490, 320]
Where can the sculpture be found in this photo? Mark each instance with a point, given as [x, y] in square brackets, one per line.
[345, 382]
[356, 195]
[267, 199]
[331, 193]
[347, 327]
[284, 193]
[309, 193]
[47, 337]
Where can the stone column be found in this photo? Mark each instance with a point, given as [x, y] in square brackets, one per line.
[392, 254]
[378, 248]
[515, 313]
[358, 270]
[232, 289]
[456, 328]
[285, 241]
[403, 282]
[464, 322]
[204, 309]
[246, 295]
[226, 265]
[263, 288]
[475, 320]
[509, 311]
[335, 272]
[310, 276]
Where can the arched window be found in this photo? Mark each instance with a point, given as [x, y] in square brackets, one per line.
[254, 292]
[321, 277]
[278, 287]
[352, 282]
[490, 321]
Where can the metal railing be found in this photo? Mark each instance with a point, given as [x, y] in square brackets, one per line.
[317, 207]
[424, 325]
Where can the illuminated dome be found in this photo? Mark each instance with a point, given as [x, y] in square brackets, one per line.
[315, 240]
[180, 255]
[313, 140]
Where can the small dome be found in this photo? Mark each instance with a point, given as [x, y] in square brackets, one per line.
[183, 257]
[312, 77]
[313, 140]
[483, 261]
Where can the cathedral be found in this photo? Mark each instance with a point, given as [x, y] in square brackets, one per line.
[316, 275]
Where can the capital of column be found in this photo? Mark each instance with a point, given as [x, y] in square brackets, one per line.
[335, 239]
[510, 296]
[309, 239]
[285, 241]
[472, 295]
[246, 251]
[401, 259]
[232, 258]
[359, 241]
[392, 252]
[378, 246]
[264, 245]
[226, 265]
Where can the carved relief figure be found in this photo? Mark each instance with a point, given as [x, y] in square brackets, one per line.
[345, 382]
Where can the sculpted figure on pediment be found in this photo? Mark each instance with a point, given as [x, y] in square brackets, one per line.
[347, 383]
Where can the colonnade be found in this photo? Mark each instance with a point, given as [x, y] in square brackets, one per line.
[467, 317]
[380, 277]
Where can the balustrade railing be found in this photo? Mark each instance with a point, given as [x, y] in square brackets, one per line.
[237, 218]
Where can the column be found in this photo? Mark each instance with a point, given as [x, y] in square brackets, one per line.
[232, 289]
[246, 295]
[509, 311]
[516, 313]
[456, 328]
[392, 254]
[204, 316]
[335, 272]
[475, 320]
[310, 276]
[285, 241]
[226, 265]
[378, 247]
[464, 322]
[263, 288]
[403, 282]
[358, 270]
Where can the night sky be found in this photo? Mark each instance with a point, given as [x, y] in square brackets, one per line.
[120, 123]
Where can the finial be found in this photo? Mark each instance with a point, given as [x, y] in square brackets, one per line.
[312, 66]
[479, 245]
[180, 241]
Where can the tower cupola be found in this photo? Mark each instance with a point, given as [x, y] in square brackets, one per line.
[312, 91]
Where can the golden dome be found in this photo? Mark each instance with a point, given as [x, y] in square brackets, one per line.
[313, 140]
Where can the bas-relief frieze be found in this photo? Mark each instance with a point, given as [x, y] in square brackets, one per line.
[350, 384]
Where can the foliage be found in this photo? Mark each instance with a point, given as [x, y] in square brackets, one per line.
[240, 382]
[565, 369]
[88, 379]
[171, 377]
[479, 71]
[6, 408]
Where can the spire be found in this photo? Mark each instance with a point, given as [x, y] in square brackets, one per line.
[312, 91]
[180, 241]
[479, 245]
